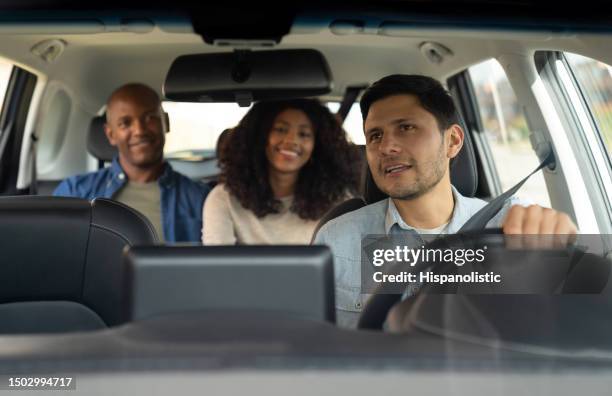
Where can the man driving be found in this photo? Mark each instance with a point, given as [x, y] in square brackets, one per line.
[412, 133]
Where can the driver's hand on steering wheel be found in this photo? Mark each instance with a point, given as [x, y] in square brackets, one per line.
[555, 228]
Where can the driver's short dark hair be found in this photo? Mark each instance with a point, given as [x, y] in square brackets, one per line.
[431, 94]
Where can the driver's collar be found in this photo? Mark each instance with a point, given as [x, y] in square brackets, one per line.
[459, 217]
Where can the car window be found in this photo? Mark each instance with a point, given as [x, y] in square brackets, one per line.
[506, 131]
[595, 80]
[353, 124]
[196, 126]
[5, 73]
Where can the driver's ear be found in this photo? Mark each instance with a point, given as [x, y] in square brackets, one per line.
[455, 137]
[109, 134]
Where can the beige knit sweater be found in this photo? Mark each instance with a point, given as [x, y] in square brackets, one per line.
[227, 222]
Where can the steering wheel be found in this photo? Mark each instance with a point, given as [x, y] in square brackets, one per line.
[589, 278]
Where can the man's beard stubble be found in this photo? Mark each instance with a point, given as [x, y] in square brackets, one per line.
[434, 172]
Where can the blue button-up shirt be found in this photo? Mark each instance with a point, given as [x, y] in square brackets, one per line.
[182, 199]
[344, 234]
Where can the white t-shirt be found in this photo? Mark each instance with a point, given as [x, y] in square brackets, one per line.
[432, 231]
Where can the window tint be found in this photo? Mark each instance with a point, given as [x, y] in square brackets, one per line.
[506, 131]
[595, 80]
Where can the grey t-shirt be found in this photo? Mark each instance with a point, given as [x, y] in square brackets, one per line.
[145, 198]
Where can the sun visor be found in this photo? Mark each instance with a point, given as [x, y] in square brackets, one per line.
[246, 76]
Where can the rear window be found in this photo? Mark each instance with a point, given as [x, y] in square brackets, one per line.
[353, 125]
[197, 126]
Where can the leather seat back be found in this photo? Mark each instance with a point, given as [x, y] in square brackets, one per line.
[58, 249]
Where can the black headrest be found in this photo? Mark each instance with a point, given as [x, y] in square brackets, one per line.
[67, 249]
[97, 143]
[463, 174]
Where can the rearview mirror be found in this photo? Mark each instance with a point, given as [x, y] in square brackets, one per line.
[247, 76]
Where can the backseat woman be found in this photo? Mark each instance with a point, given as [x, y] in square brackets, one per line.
[284, 166]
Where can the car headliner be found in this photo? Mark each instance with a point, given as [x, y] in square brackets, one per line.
[106, 49]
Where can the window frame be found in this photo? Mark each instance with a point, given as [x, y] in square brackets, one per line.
[598, 184]
[585, 103]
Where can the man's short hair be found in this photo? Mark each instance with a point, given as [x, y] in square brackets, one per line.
[432, 96]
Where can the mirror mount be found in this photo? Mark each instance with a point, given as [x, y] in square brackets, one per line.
[244, 99]
[223, 25]
[241, 69]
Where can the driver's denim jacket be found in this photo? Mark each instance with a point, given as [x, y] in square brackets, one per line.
[344, 234]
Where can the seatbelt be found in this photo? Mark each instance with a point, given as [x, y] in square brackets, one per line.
[33, 177]
[484, 215]
[350, 96]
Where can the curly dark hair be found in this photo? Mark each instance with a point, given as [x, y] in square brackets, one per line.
[323, 180]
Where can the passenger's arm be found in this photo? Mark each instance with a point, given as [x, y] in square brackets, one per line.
[218, 225]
